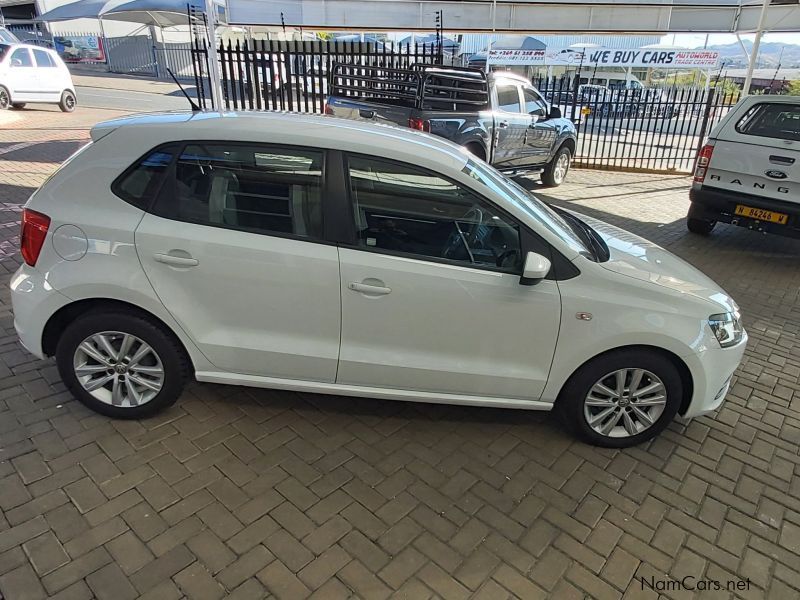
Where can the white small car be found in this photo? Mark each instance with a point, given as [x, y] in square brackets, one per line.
[748, 173]
[322, 255]
[31, 74]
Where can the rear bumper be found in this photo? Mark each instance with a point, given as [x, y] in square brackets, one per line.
[720, 205]
[34, 301]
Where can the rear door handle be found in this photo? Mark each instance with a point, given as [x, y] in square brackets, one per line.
[503, 124]
[781, 160]
[370, 290]
[176, 261]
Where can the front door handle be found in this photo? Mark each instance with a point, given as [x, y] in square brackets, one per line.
[502, 124]
[176, 261]
[370, 290]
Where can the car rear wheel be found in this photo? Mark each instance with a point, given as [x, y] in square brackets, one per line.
[700, 226]
[121, 365]
[5, 98]
[68, 101]
[556, 170]
[621, 398]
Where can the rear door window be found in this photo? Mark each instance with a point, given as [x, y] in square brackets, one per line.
[777, 120]
[139, 184]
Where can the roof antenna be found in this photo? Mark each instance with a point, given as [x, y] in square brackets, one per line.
[192, 103]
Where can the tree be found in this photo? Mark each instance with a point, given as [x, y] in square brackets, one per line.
[794, 88]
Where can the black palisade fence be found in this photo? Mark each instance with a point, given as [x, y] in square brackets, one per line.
[657, 129]
[293, 75]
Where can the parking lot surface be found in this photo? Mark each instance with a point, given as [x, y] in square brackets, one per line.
[256, 493]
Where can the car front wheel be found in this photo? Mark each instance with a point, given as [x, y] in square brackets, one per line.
[121, 365]
[556, 170]
[621, 398]
[5, 98]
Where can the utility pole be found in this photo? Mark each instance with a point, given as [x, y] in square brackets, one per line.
[748, 80]
[494, 30]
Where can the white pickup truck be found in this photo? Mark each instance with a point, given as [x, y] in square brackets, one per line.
[748, 173]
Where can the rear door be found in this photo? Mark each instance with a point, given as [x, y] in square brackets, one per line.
[49, 76]
[233, 247]
[511, 126]
[758, 152]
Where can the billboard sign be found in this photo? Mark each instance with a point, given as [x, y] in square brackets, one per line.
[658, 58]
[80, 48]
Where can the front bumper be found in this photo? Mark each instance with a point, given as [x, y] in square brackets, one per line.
[711, 371]
[720, 205]
[34, 301]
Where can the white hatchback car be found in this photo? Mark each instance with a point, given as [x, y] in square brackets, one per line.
[310, 253]
[34, 74]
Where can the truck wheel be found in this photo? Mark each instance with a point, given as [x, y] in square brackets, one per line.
[700, 226]
[556, 170]
[476, 150]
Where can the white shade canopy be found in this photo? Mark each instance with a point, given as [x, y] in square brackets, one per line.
[82, 9]
[161, 13]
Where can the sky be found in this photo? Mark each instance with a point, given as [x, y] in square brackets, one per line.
[690, 40]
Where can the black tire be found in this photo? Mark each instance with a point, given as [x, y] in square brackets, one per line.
[5, 98]
[18, 105]
[173, 359]
[700, 226]
[476, 150]
[570, 404]
[68, 101]
[551, 176]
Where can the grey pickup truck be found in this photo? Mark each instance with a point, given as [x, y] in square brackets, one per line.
[499, 117]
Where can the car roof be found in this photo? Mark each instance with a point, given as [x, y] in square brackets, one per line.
[509, 75]
[302, 129]
[16, 45]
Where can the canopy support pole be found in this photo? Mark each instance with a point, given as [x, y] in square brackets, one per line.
[748, 80]
[214, 79]
[105, 44]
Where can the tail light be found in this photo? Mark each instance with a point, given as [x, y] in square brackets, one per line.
[328, 110]
[34, 230]
[703, 162]
[419, 124]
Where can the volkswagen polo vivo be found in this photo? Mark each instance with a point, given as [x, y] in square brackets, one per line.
[316, 254]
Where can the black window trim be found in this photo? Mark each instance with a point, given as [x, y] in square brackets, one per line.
[180, 146]
[528, 239]
[150, 194]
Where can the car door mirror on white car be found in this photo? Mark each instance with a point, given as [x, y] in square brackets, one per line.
[16, 62]
[536, 268]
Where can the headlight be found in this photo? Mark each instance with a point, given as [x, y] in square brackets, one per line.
[727, 327]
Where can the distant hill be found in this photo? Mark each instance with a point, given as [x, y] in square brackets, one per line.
[768, 54]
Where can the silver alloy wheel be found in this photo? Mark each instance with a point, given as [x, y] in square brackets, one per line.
[625, 403]
[118, 368]
[561, 167]
[5, 101]
[69, 101]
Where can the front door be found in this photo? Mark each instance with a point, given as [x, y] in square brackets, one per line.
[431, 299]
[542, 133]
[234, 252]
[511, 126]
[22, 77]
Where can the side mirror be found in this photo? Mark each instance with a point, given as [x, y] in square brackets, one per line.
[536, 268]
[555, 113]
[16, 63]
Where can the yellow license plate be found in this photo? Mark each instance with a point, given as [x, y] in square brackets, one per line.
[761, 214]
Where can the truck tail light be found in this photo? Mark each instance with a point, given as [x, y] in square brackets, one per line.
[34, 231]
[703, 162]
[419, 124]
[328, 110]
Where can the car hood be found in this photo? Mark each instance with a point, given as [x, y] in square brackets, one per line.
[636, 257]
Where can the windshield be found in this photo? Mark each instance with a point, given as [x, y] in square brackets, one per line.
[522, 198]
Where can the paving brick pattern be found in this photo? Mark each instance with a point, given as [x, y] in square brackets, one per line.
[250, 493]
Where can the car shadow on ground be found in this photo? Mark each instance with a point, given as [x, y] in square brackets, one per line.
[56, 151]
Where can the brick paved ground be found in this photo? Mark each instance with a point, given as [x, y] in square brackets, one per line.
[257, 493]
